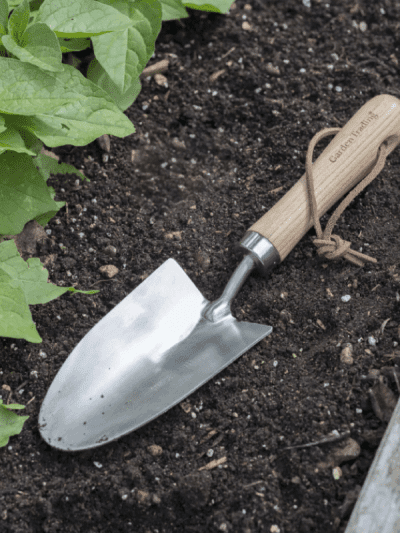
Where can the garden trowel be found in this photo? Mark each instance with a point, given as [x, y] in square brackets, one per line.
[165, 340]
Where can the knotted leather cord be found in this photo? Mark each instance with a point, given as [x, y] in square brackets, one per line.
[336, 248]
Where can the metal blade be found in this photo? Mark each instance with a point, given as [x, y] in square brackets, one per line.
[145, 356]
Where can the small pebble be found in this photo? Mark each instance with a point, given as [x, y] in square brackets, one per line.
[203, 260]
[274, 71]
[372, 341]
[110, 250]
[346, 355]
[176, 143]
[348, 451]
[337, 473]
[155, 450]
[161, 80]
[142, 496]
[109, 271]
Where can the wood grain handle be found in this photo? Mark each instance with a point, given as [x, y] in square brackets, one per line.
[348, 158]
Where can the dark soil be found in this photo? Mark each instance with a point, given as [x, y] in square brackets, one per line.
[204, 162]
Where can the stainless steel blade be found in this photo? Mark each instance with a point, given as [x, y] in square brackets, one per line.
[145, 356]
[377, 509]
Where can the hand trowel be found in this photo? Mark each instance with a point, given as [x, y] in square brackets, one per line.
[165, 340]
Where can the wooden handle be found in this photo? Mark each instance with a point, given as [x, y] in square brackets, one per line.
[348, 158]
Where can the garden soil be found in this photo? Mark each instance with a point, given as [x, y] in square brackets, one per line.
[217, 143]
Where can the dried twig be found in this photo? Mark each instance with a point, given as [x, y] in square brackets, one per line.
[156, 68]
[326, 440]
[213, 464]
[254, 483]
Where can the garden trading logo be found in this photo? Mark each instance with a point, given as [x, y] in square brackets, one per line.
[354, 134]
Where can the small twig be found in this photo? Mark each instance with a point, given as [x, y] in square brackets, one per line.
[251, 484]
[229, 52]
[24, 383]
[160, 66]
[325, 440]
[103, 281]
[273, 101]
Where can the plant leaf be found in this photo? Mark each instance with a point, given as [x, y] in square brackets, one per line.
[3, 126]
[24, 194]
[10, 423]
[47, 165]
[99, 76]
[124, 54]
[32, 143]
[61, 108]
[18, 20]
[216, 6]
[31, 276]
[73, 45]
[15, 317]
[173, 9]
[39, 46]
[10, 139]
[3, 17]
[81, 18]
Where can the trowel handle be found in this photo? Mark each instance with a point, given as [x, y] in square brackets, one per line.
[348, 158]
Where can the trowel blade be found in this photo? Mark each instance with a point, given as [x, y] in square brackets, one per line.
[145, 356]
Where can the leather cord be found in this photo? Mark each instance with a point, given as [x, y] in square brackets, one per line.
[329, 245]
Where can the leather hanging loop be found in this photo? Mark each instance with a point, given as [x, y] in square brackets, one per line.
[329, 245]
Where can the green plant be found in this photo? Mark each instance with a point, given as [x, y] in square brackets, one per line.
[44, 101]
[10, 423]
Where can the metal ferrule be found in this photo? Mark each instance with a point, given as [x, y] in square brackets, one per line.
[261, 254]
[264, 253]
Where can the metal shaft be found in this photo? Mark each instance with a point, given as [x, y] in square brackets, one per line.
[261, 255]
[221, 308]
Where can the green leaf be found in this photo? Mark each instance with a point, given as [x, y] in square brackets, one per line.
[99, 76]
[39, 46]
[15, 317]
[31, 276]
[216, 6]
[24, 194]
[3, 17]
[32, 143]
[62, 108]
[45, 218]
[124, 54]
[173, 9]
[73, 45]
[10, 423]
[46, 165]
[18, 20]
[81, 18]
[12, 140]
